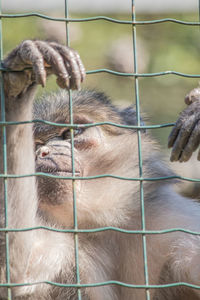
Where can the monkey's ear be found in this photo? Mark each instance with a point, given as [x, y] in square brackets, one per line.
[129, 116]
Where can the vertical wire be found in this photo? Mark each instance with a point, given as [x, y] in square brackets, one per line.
[199, 13]
[5, 169]
[76, 239]
[199, 10]
[140, 153]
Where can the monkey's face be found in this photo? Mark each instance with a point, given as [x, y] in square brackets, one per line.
[98, 150]
[92, 156]
[54, 157]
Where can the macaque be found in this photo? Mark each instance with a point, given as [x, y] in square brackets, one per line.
[38, 256]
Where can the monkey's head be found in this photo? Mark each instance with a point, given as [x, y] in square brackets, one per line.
[98, 150]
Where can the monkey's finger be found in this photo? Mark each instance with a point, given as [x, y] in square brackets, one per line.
[174, 133]
[55, 60]
[192, 144]
[193, 95]
[71, 63]
[182, 138]
[30, 55]
[81, 66]
[198, 156]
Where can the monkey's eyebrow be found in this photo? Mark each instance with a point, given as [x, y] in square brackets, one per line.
[82, 120]
[39, 141]
[51, 136]
[46, 138]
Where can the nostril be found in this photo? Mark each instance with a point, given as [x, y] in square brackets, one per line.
[44, 151]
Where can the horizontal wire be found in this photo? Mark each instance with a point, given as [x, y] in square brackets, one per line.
[105, 283]
[164, 73]
[101, 229]
[39, 174]
[98, 18]
[75, 126]
[109, 71]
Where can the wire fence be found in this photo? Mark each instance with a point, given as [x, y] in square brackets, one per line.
[76, 231]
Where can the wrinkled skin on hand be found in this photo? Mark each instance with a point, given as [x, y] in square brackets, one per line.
[40, 59]
[185, 135]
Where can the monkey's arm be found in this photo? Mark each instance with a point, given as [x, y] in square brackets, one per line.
[41, 59]
[185, 135]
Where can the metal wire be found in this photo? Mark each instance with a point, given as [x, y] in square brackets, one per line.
[100, 176]
[143, 222]
[5, 183]
[99, 18]
[76, 239]
[105, 283]
[100, 229]
[75, 126]
[164, 73]
[111, 282]
[3, 124]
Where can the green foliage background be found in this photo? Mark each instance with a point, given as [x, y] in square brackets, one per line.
[170, 47]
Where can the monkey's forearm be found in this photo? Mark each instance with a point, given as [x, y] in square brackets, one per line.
[21, 192]
[20, 161]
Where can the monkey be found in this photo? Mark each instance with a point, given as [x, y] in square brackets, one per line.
[39, 258]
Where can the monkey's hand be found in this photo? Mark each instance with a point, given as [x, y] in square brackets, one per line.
[185, 135]
[32, 61]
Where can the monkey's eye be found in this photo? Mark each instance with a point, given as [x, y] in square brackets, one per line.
[66, 134]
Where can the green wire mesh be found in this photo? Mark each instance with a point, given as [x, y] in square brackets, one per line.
[4, 167]
[73, 173]
[3, 124]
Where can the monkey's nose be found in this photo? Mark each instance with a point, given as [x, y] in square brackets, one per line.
[44, 151]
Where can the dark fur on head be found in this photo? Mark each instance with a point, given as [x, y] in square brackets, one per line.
[49, 107]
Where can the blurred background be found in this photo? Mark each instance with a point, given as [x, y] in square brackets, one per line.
[101, 44]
